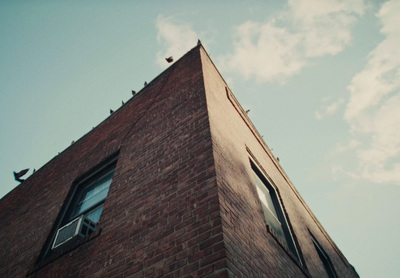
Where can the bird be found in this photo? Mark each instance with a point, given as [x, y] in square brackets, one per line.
[111, 111]
[277, 158]
[169, 59]
[145, 83]
[73, 142]
[198, 42]
[17, 176]
[133, 92]
[123, 102]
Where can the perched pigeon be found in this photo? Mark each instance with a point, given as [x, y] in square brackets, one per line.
[169, 59]
[123, 102]
[145, 83]
[198, 42]
[133, 92]
[111, 111]
[17, 176]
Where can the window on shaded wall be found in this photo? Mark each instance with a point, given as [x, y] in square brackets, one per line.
[326, 262]
[84, 206]
[273, 212]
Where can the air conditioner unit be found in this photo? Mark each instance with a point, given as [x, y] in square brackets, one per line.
[79, 227]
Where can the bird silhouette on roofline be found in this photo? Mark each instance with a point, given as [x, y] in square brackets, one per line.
[17, 176]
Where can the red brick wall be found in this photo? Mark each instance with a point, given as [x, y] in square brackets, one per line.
[251, 250]
[161, 217]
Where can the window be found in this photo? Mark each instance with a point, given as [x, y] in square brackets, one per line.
[84, 206]
[80, 213]
[329, 270]
[90, 199]
[273, 212]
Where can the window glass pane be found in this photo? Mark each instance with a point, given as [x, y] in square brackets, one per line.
[274, 224]
[271, 217]
[93, 194]
[95, 214]
[265, 196]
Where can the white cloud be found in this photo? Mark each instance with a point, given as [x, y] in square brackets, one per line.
[270, 52]
[328, 109]
[264, 51]
[351, 145]
[373, 109]
[381, 74]
[176, 38]
[325, 24]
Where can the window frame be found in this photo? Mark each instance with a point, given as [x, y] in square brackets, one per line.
[102, 169]
[69, 216]
[324, 258]
[290, 244]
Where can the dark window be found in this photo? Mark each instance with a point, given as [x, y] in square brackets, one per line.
[330, 271]
[80, 213]
[89, 200]
[84, 206]
[273, 211]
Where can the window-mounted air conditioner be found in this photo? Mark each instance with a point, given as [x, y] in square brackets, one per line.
[79, 227]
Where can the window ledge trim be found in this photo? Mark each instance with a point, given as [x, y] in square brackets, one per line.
[62, 250]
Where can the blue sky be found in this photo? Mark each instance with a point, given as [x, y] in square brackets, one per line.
[321, 78]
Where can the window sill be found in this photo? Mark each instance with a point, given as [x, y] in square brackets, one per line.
[62, 250]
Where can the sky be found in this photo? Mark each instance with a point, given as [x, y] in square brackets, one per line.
[321, 79]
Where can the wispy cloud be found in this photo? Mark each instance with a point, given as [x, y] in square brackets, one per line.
[269, 52]
[175, 38]
[264, 51]
[373, 109]
[325, 25]
[352, 144]
[328, 108]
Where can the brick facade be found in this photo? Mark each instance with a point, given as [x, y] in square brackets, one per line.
[182, 202]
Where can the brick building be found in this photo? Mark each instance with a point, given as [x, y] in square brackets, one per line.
[175, 183]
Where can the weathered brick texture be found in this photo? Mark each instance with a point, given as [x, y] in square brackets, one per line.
[251, 250]
[182, 202]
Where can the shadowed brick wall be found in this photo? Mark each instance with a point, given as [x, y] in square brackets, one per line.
[251, 250]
